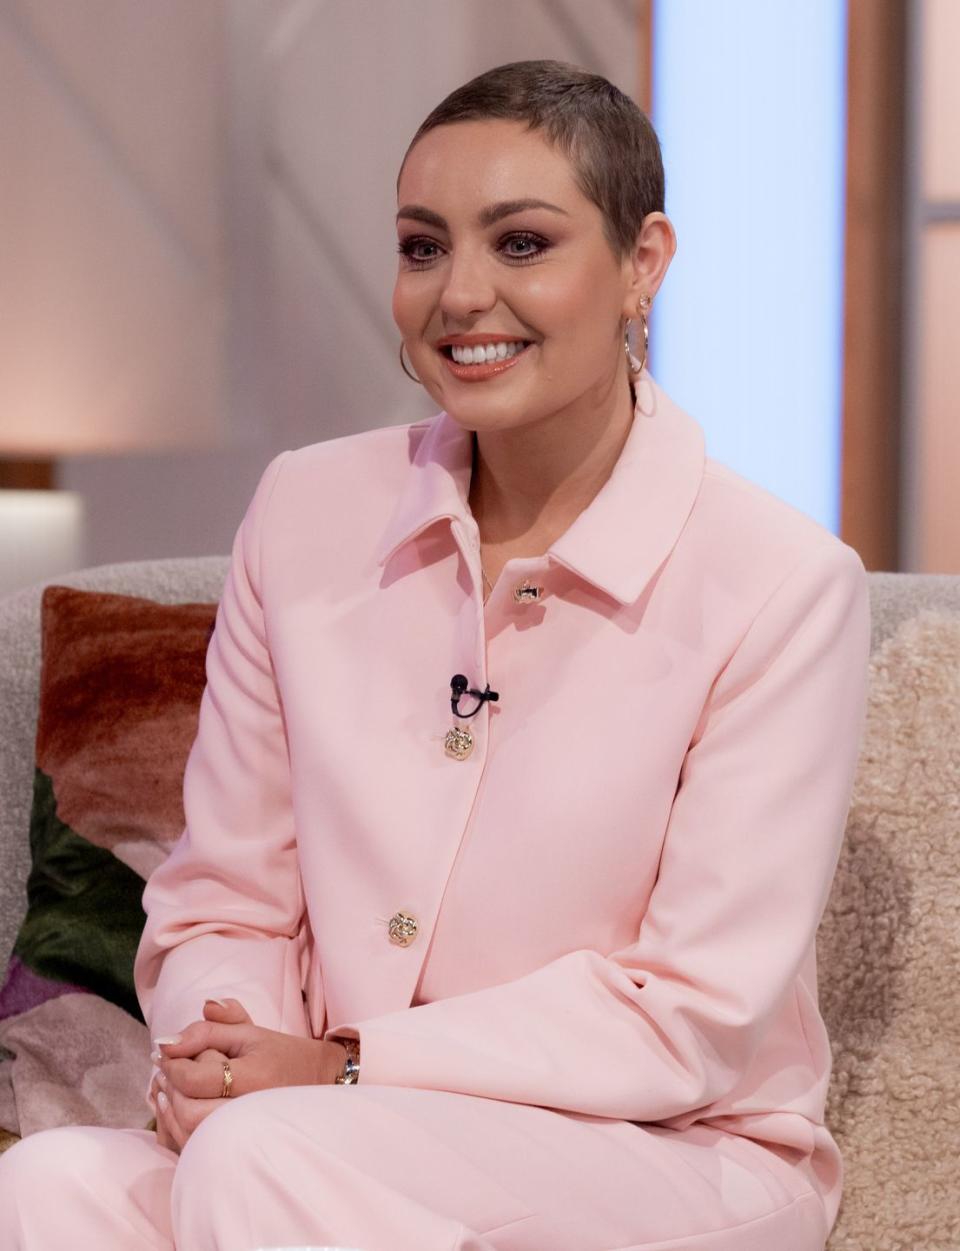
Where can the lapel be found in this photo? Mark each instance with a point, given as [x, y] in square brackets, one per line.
[622, 537]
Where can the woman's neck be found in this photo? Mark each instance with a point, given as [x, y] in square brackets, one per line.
[530, 483]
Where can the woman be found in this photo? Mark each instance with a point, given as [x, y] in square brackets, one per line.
[519, 783]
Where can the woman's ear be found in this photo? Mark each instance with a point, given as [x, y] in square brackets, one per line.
[648, 261]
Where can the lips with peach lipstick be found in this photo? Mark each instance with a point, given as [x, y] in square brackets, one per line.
[476, 357]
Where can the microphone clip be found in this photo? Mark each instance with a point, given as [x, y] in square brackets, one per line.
[460, 686]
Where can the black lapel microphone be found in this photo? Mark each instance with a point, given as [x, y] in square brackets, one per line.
[460, 686]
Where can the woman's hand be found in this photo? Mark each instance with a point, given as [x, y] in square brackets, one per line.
[177, 1115]
[189, 1082]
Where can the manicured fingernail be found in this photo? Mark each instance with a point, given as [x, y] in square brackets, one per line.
[168, 1042]
[156, 1056]
[219, 1003]
[162, 1101]
[162, 1080]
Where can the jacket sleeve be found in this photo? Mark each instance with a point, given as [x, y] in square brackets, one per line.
[670, 1023]
[225, 911]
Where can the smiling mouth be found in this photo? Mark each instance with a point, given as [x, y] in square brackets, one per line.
[484, 353]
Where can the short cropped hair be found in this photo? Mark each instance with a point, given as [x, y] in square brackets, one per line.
[606, 136]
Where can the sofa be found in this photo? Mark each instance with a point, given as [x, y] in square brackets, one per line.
[889, 942]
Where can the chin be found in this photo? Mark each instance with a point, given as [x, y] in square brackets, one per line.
[486, 410]
[485, 417]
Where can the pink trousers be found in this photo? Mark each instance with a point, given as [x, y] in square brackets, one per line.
[393, 1169]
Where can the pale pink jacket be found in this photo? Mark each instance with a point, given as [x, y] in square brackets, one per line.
[618, 890]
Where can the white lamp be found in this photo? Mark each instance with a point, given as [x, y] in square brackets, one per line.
[41, 536]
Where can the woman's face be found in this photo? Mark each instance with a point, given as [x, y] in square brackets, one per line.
[502, 254]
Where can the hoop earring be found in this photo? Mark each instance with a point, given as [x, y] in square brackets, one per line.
[403, 365]
[633, 365]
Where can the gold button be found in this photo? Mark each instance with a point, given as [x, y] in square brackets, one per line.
[458, 743]
[527, 592]
[403, 929]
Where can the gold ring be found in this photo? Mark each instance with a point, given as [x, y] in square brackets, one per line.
[227, 1080]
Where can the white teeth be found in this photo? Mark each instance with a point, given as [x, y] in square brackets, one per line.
[483, 353]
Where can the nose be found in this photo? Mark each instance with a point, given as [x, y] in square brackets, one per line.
[468, 289]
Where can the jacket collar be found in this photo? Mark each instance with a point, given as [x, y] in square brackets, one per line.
[619, 540]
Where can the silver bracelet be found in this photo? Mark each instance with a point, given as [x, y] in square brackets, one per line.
[351, 1069]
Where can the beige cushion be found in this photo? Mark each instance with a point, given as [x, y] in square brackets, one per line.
[889, 954]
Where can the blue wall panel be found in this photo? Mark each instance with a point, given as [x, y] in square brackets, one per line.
[749, 103]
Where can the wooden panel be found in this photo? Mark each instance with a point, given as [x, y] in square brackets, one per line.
[26, 475]
[645, 36]
[873, 310]
[939, 408]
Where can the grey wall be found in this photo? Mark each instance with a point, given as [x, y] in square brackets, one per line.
[308, 109]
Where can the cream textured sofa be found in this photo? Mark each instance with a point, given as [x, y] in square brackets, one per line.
[889, 945]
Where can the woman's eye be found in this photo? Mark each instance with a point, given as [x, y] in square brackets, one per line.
[418, 251]
[518, 248]
[523, 247]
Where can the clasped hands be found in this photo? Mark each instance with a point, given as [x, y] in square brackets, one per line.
[188, 1084]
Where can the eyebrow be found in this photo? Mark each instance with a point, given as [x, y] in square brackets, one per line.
[487, 217]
